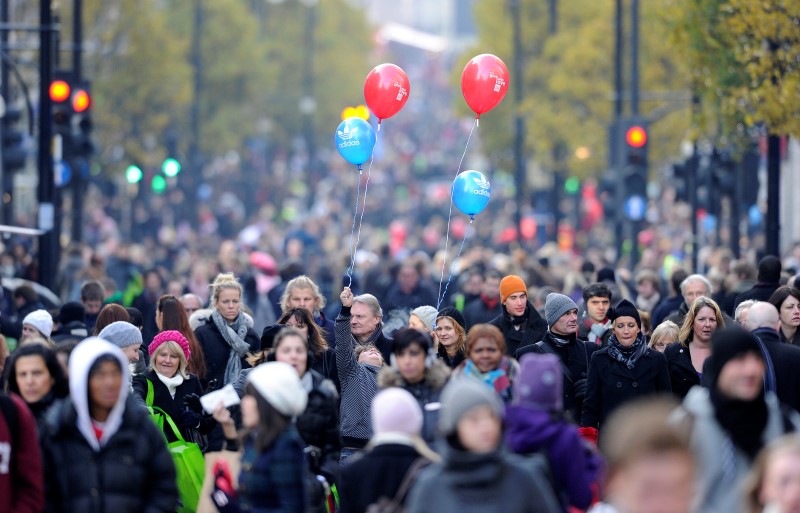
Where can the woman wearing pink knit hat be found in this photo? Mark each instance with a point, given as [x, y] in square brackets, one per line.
[170, 387]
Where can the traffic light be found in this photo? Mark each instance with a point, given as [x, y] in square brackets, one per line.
[81, 122]
[61, 98]
[133, 174]
[632, 142]
[158, 184]
[14, 154]
[572, 185]
[171, 167]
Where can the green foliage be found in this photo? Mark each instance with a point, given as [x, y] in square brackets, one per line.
[745, 58]
[252, 58]
[568, 81]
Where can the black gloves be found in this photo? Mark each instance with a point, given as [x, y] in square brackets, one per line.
[189, 419]
[579, 388]
[192, 402]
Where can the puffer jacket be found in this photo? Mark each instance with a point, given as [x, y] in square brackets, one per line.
[426, 392]
[466, 482]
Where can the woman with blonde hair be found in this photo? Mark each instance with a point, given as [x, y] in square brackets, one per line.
[685, 360]
[171, 315]
[226, 337]
[166, 384]
[665, 334]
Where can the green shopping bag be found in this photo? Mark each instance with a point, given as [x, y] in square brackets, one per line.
[189, 462]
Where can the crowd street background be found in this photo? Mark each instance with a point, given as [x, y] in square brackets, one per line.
[563, 277]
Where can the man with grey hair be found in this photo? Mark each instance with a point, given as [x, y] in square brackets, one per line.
[694, 286]
[784, 359]
[191, 303]
[358, 330]
[740, 315]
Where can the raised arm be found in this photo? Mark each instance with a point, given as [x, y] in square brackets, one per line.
[345, 359]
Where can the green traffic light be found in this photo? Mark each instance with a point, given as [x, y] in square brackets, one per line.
[133, 174]
[171, 167]
[159, 184]
[572, 185]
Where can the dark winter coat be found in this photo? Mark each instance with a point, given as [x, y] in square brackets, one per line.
[132, 473]
[216, 351]
[172, 406]
[761, 291]
[786, 362]
[325, 364]
[611, 383]
[377, 473]
[574, 465]
[450, 362]
[319, 424]
[75, 330]
[665, 308]
[529, 333]
[326, 326]
[478, 312]
[426, 392]
[682, 375]
[481, 483]
[273, 481]
[12, 326]
[575, 356]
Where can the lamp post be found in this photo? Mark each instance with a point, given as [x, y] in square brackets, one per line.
[519, 121]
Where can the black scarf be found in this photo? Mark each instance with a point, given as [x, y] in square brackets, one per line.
[627, 355]
[519, 320]
[743, 420]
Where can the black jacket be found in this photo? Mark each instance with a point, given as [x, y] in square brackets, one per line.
[172, 407]
[11, 326]
[319, 424]
[682, 375]
[575, 356]
[529, 333]
[611, 384]
[477, 312]
[786, 362]
[132, 473]
[378, 473]
[216, 351]
[761, 291]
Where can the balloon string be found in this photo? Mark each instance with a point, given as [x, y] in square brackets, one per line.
[450, 212]
[361, 219]
[466, 236]
[353, 231]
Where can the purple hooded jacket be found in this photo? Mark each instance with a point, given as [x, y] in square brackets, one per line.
[574, 465]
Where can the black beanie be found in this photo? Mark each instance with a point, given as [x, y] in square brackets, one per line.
[728, 344]
[453, 313]
[624, 309]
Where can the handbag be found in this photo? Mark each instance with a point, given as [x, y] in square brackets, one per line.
[395, 505]
[187, 457]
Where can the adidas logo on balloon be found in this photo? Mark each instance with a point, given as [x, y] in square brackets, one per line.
[347, 134]
[484, 188]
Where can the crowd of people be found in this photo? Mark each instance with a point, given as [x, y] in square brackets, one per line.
[516, 392]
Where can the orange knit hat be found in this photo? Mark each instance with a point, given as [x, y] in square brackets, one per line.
[511, 284]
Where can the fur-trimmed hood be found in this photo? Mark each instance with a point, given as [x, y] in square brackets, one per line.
[435, 376]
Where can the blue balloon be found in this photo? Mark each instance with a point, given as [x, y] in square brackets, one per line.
[471, 192]
[355, 140]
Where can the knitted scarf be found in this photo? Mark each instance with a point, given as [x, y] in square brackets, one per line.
[233, 334]
[627, 355]
[499, 379]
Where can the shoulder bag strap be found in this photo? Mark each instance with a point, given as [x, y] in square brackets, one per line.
[408, 480]
[168, 419]
[149, 399]
[564, 369]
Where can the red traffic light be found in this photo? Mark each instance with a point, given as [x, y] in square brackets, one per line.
[636, 137]
[60, 91]
[81, 101]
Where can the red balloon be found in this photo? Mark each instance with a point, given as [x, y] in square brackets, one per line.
[484, 82]
[386, 90]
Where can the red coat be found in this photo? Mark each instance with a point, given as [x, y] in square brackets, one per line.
[21, 475]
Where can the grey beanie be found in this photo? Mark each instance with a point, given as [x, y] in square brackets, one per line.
[460, 396]
[122, 334]
[557, 305]
[426, 314]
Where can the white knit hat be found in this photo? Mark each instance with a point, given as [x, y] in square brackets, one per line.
[41, 320]
[278, 383]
